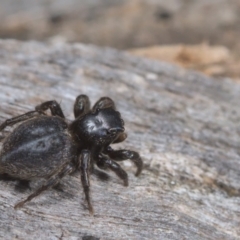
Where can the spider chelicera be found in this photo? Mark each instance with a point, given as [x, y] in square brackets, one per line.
[49, 147]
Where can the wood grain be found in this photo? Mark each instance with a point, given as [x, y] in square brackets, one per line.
[185, 126]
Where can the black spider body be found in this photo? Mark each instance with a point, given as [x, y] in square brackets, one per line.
[98, 129]
[36, 147]
[49, 147]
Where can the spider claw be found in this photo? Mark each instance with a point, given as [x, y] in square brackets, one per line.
[139, 170]
[19, 205]
[90, 208]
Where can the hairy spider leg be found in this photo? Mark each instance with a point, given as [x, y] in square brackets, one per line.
[50, 182]
[81, 106]
[121, 155]
[54, 107]
[85, 166]
[104, 162]
[20, 118]
[104, 102]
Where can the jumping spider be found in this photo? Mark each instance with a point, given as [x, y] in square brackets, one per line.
[49, 147]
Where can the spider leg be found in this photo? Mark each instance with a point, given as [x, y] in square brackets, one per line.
[20, 118]
[51, 181]
[85, 167]
[104, 102]
[81, 106]
[53, 106]
[121, 137]
[121, 155]
[104, 162]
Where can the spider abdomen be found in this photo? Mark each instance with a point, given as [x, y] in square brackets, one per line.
[36, 148]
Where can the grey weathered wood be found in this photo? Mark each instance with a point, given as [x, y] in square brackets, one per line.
[186, 127]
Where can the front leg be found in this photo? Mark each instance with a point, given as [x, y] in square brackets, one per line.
[121, 155]
[81, 106]
[53, 106]
[104, 162]
[51, 182]
[104, 102]
[85, 167]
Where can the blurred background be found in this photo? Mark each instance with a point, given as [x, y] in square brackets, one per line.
[196, 34]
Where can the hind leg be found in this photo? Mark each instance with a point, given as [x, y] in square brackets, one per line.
[20, 118]
[52, 181]
[52, 105]
[81, 106]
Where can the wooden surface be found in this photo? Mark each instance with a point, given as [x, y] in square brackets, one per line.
[185, 126]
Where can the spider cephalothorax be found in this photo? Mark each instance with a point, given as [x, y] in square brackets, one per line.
[100, 127]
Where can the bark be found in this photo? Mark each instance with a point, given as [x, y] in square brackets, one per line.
[184, 124]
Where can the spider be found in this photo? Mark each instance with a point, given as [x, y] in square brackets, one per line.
[49, 147]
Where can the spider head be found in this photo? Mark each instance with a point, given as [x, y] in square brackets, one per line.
[99, 128]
